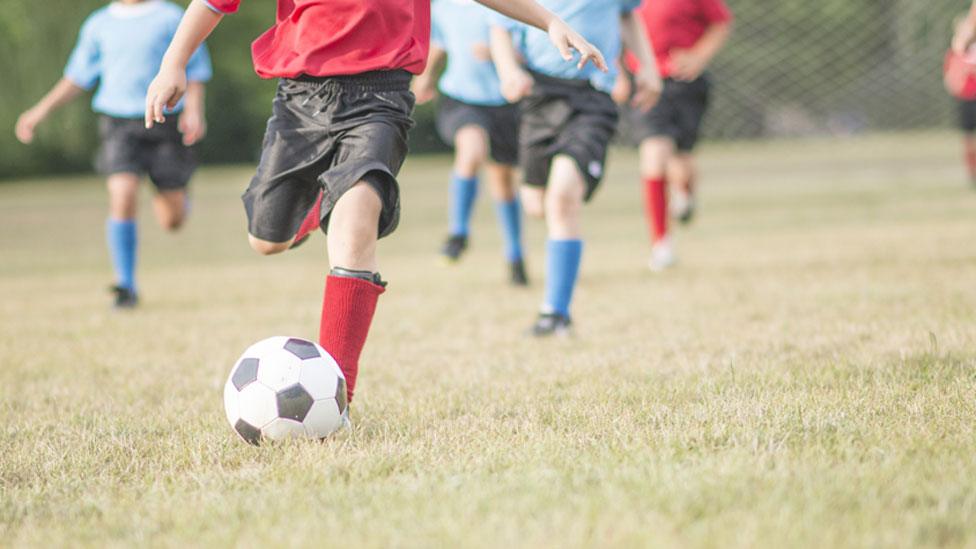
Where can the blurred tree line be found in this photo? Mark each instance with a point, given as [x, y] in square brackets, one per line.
[793, 67]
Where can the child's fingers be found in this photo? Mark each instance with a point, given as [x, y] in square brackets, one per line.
[564, 49]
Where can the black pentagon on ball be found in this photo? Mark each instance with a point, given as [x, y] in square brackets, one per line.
[302, 349]
[294, 402]
[246, 373]
[248, 432]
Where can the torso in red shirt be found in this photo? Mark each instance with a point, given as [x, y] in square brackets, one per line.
[337, 37]
[678, 24]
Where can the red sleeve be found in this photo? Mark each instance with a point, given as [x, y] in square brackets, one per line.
[223, 6]
[716, 11]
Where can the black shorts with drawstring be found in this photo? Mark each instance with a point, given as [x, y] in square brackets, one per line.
[329, 133]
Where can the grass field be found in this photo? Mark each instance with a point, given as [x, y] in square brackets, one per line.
[805, 378]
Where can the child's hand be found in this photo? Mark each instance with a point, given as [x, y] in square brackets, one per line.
[621, 89]
[649, 88]
[24, 130]
[166, 90]
[516, 84]
[567, 40]
[193, 126]
[686, 65]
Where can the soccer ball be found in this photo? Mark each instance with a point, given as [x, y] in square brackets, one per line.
[284, 387]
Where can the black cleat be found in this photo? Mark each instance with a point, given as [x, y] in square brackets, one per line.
[454, 247]
[687, 215]
[552, 324]
[124, 298]
[518, 276]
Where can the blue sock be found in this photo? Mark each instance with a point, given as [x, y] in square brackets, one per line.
[463, 192]
[121, 236]
[562, 267]
[510, 216]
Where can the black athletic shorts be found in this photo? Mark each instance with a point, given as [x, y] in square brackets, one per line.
[678, 114]
[328, 134]
[967, 116]
[565, 117]
[501, 123]
[128, 147]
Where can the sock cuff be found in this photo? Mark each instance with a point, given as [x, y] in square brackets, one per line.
[121, 222]
[565, 242]
[340, 280]
[468, 180]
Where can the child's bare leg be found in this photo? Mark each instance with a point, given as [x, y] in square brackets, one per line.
[501, 182]
[470, 151]
[170, 209]
[533, 201]
[123, 193]
[564, 199]
[353, 229]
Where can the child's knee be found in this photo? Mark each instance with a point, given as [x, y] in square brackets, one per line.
[264, 247]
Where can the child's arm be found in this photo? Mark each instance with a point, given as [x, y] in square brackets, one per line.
[689, 64]
[515, 81]
[193, 120]
[61, 94]
[170, 84]
[424, 85]
[647, 80]
[965, 33]
[560, 34]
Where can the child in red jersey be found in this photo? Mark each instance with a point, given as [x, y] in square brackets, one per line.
[960, 81]
[685, 35]
[338, 133]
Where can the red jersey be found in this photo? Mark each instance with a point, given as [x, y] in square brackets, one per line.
[678, 24]
[337, 37]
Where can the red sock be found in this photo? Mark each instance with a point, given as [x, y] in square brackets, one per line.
[656, 207]
[311, 221]
[347, 312]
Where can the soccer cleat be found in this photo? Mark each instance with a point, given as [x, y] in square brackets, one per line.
[518, 276]
[454, 247]
[312, 221]
[552, 324]
[683, 207]
[662, 256]
[346, 422]
[124, 298]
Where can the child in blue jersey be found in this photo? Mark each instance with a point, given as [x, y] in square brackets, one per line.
[120, 49]
[568, 120]
[474, 117]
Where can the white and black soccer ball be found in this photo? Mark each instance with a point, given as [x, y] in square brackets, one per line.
[285, 387]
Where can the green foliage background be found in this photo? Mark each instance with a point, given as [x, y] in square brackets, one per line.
[793, 67]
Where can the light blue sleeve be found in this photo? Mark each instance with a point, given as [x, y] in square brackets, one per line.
[199, 69]
[84, 65]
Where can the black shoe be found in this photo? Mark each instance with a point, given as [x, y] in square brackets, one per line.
[552, 324]
[518, 276]
[124, 298]
[454, 247]
[687, 215]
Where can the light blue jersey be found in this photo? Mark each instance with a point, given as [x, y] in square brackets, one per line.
[121, 47]
[597, 20]
[462, 28]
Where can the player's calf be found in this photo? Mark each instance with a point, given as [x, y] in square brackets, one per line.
[171, 209]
